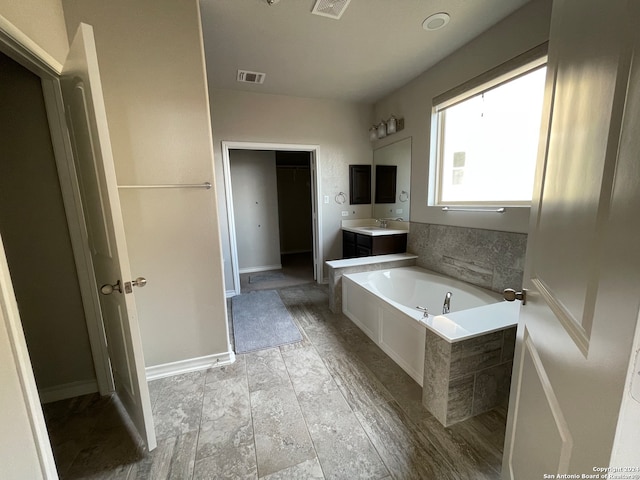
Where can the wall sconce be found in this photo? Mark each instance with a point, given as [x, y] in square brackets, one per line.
[373, 133]
[385, 128]
[392, 123]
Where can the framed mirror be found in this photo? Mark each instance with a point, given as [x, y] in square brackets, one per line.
[392, 180]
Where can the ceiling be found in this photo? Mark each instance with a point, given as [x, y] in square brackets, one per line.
[376, 47]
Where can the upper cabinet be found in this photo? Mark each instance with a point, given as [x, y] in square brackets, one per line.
[359, 184]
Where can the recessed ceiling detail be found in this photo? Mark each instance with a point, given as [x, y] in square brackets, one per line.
[330, 8]
[436, 21]
[246, 76]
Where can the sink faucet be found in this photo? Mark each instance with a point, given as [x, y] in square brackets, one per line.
[382, 222]
[446, 307]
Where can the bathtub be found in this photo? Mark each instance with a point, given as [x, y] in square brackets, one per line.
[383, 305]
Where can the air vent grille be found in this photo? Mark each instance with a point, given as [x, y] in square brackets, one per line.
[250, 77]
[330, 8]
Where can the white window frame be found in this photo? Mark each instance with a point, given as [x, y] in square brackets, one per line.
[523, 64]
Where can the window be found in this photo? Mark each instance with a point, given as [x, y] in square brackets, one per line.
[487, 141]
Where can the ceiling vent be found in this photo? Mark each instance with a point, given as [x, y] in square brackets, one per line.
[250, 77]
[330, 8]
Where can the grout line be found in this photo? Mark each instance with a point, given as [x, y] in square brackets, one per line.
[204, 393]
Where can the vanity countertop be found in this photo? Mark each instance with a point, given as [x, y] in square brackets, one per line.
[374, 231]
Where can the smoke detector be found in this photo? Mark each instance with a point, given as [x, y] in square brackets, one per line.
[272, 2]
[436, 21]
[330, 8]
[250, 77]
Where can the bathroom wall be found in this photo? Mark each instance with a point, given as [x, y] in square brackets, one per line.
[42, 21]
[487, 258]
[486, 249]
[340, 129]
[255, 209]
[517, 33]
[153, 76]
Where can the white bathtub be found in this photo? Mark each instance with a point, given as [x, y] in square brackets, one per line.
[383, 304]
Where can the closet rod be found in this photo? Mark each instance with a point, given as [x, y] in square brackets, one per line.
[484, 210]
[206, 185]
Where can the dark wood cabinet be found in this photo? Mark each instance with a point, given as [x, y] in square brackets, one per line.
[359, 184]
[361, 245]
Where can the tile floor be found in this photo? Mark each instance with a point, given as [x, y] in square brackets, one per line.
[333, 406]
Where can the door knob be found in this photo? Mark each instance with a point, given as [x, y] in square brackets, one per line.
[108, 289]
[139, 282]
[510, 295]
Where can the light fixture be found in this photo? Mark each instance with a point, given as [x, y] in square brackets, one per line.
[386, 128]
[272, 2]
[373, 133]
[436, 21]
[391, 125]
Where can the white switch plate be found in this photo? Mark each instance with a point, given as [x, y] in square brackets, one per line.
[345, 213]
[326, 199]
[398, 210]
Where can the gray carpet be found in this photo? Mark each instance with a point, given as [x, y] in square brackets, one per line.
[266, 276]
[261, 321]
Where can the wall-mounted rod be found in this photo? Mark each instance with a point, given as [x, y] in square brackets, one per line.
[485, 210]
[206, 185]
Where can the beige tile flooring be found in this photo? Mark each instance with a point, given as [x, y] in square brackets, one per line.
[333, 406]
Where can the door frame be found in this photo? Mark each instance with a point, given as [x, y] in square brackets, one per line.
[314, 150]
[31, 56]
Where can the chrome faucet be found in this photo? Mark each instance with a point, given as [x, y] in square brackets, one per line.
[424, 310]
[446, 307]
[382, 222]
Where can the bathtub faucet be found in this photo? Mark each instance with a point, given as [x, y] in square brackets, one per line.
[446, 307]
[424, 310]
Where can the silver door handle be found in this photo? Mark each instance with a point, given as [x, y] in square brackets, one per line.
[510, 295]
[139, 282]
[108, 289]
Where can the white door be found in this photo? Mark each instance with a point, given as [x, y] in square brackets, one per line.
[583, 267]
[86, 117]
[314, 212]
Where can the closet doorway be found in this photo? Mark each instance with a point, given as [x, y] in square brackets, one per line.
[272, 205]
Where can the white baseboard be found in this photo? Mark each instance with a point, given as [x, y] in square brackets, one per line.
[260, 269]
[190, 365]
[230, 293]
[67, 390]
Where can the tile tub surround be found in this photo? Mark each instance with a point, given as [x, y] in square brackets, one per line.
[337, 268]
[467, 378]
[487, 258]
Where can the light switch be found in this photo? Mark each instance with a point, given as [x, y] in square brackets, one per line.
[345, 213]
[326, 199]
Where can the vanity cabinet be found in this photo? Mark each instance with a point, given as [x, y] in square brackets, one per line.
[362, 245]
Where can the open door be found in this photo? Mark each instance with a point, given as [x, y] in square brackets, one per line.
[582, 276]
[89, 134]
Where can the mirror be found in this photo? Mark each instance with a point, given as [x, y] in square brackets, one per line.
[392, 180]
